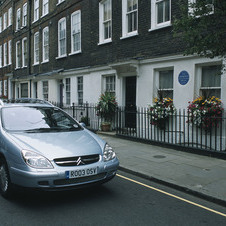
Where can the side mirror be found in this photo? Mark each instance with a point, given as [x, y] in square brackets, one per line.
[83, 124]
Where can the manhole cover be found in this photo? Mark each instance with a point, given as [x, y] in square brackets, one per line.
[159, 156]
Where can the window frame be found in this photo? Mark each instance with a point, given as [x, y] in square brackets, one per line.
[5, 20]
[45, 7]
[68, 90]
[191, 10]
[102, 22]
[80, 84]
[18, 19]
[0, 24]
[209, 88]
[10, 16]
[154, 16]
[61, 21]
[74, 51]
[110, 81]
[45, 46]
[36, 48]
[5, 54]
[9, 52]
[160, 91]
[24, 17]
[45, 90]
[125, 14]
[18, 55]
[1, 59]
[24, 52]
[36, 10]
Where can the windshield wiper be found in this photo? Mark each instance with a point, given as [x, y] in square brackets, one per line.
[42, 130]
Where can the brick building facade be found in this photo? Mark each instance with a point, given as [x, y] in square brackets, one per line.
[72, 51]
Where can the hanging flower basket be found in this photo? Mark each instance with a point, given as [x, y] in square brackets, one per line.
[160, 112]
[205, 113]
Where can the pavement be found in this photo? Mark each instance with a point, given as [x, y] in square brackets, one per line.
[199, 175]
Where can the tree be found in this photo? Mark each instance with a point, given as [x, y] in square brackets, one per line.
[202, 26]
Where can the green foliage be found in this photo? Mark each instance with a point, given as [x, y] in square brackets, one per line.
[107, 106]
[202, 28]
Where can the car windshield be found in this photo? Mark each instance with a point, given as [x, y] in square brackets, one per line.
[37, 119]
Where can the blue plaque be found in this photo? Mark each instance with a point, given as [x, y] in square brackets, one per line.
[183, 77]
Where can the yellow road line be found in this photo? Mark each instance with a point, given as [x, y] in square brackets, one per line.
[171, 195]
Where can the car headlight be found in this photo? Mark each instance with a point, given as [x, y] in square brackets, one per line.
[35, 160]
[108, 154]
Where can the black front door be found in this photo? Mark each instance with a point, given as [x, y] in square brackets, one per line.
[130, 115]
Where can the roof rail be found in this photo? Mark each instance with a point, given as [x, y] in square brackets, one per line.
[28, 100]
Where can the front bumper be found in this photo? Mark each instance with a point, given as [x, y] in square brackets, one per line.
[55, 179]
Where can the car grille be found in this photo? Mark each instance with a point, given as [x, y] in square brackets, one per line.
[80, 179]
[77, 161]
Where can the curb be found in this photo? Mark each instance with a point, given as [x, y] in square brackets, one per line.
[175, 186]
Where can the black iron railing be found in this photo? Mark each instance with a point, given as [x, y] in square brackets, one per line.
[177, 129]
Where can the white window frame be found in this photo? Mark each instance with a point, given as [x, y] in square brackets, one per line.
[0, 24]
[1, 88]
[157, 87]
[45, 45]
[45, 90]
[125, 15]
[36, 48]
[76, 30]
[60, 1]
[80, 91]
[62, 38]
[18, 19]
[109, 83]
[1, 56]
[36, 10]
[5, 91]
[199, 88]
[24, 52]
[18, 55]
[10, 16]
[68, 90]
[24, 19]
[154, 15]
[5, 53]
[45, 7]
[10, 52]
[191, 10]
[5, 20]
[103, 22]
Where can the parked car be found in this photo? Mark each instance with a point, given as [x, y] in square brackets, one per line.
[43, 147]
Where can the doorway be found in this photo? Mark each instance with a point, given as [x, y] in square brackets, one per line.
[130, 102]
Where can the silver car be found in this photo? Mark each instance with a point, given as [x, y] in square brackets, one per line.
[42, 147]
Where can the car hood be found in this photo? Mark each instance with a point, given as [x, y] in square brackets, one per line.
[60, 144]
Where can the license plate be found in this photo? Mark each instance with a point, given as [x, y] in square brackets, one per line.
[81, 173]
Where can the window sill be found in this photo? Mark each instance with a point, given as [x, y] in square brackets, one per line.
[44, 15]
[60, 57]
[129, 35]
[35, 64]
[59, 3]
[44, 62]
[157, 27]
[105, 42]
[74, 53]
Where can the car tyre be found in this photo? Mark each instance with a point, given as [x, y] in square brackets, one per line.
[5, 183]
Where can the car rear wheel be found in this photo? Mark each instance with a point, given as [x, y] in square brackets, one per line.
[5, 183]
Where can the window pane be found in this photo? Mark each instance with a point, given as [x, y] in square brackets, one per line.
[211, 76]
[160, 12]
[166, 79]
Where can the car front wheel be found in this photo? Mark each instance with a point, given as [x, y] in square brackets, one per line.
[5, 184]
